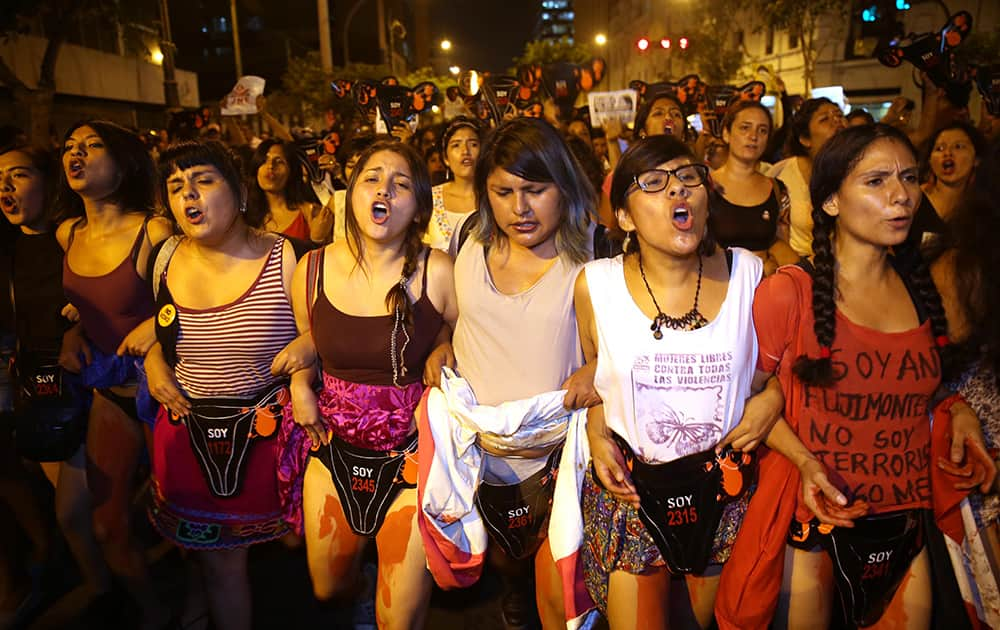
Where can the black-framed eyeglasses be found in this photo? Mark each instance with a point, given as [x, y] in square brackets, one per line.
[655, 180]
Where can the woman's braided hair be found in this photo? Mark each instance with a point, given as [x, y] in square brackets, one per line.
[832, 165]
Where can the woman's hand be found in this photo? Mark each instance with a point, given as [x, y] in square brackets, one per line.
[970, 458]
[580, 392]
[760, 413]
[74, 355]
[297, 355]
[402, 132]
[612, 129]
[823, 498]
[163, 384]
[609, 463]
[138, 342]
[442, 356]
[71, 313]
[305, 408]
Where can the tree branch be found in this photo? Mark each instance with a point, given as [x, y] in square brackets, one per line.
[47, 77]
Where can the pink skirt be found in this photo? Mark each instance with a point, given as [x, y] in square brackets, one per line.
[376, 417]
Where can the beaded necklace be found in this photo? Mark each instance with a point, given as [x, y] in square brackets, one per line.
[692, 320]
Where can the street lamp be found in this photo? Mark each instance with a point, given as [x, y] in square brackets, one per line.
[454, 70]
[446, 45]
[601, 39]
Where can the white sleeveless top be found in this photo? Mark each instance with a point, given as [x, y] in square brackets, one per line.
[510, 347]
[681, 394]
[443, 222]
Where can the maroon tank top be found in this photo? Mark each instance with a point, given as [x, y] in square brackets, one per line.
[357, 348]
[113, 304]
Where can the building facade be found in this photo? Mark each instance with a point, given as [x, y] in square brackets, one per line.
[555, 20]
[844, 45]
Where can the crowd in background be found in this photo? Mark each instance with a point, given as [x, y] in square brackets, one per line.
[461, 291]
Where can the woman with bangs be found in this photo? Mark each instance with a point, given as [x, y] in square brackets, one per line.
[281, 193]
[750, 210]
[217, 369]
[374, 305]
[659, 115]
[516, 353]
[106, 199]
[669, 326]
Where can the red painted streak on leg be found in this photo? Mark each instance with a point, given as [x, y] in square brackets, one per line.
[330, 520]
[392, 553]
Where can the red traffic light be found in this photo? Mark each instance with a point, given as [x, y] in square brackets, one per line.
[683, 43]
[642, 44]
[665, 43]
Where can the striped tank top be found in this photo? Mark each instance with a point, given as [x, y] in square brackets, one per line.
[227, 350]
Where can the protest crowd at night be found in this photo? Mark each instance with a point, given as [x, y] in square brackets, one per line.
[530, 315]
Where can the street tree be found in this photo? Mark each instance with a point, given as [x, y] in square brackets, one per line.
[717, 49]
[33, 104]
[547, 51]
[803, 18]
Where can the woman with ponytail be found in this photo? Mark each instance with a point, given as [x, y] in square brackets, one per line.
[375, 304]
[859, 343]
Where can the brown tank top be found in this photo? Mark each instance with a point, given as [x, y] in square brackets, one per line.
[358, 348]
[113, 304]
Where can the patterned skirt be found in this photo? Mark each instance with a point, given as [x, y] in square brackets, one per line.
[616, 540]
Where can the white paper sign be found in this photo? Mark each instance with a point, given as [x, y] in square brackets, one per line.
[620, 104]
[243, 98]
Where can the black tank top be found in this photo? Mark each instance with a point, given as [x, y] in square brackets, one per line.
[38, 291]
[357, 348]
[750, 227]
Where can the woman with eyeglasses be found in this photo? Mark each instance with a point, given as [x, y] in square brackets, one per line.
[669, 324]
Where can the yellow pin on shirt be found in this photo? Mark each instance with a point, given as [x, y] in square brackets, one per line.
[166, 315]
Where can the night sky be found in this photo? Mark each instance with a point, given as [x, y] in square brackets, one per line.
[486, 35]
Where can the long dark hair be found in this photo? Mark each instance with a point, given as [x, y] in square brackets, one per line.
[135, 191]
[647, 106]
[397, 297]
[646, 154]
[800, 126]
[972, 234]
[533, 150]
[831, 166]
[297, 191]
[188, 154]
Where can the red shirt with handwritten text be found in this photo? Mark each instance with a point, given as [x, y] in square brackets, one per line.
[871, 428]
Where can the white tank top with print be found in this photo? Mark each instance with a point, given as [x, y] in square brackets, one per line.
[681, 394]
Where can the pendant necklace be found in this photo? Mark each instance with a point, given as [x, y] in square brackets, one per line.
[692, 320]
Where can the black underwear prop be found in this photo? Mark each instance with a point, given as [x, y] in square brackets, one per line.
[870, 559]
[516, 515]
[368, 481]
[681, 502]
[223, 430]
